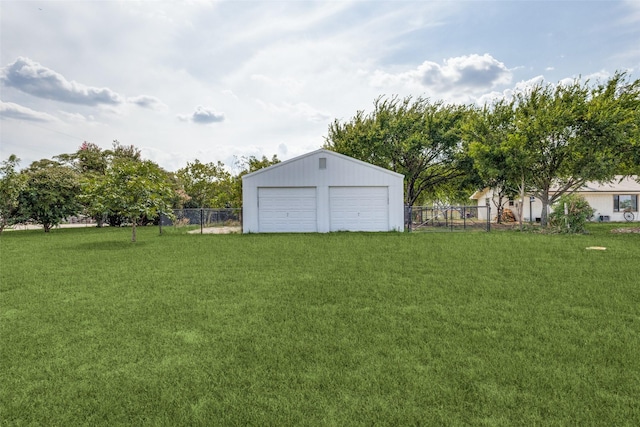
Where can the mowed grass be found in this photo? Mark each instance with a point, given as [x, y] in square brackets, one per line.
[500, 328]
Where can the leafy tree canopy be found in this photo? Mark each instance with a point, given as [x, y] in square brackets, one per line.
[576, 132]
[551, 139]
[415, 137]
[133, 189]
[207, 184]
[11, 184]
[49, 194]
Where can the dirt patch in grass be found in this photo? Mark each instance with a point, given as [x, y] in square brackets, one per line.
[626, 230]
[218, 230]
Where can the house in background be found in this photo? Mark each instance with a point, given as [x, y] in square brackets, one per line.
[322, 191]
[610, 201]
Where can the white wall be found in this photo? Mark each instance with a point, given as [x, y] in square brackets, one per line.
[599, 197]
[304, 171]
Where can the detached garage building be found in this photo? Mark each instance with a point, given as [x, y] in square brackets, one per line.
[322, 191]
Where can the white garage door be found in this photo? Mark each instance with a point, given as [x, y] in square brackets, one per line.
[359, 208]
[287, 210]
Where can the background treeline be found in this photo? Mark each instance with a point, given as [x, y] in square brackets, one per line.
[550, 136]
[114, 187]
[542, 138]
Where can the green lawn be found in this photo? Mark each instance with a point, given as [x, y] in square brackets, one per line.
[501, 328]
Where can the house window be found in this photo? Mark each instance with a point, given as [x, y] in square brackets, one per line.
[511, 202]
[625, 202]
[323, 163]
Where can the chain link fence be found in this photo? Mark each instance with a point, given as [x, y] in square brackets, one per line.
[449, 218]
[417, 218]
[204, 217]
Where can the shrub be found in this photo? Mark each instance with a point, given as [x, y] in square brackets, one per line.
[572, 219]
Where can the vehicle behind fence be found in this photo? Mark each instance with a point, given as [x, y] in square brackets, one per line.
[204, 217]
[447, 218]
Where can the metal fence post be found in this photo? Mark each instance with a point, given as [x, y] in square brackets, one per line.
[464, 217]
[201, 221]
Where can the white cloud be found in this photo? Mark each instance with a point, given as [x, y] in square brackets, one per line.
[11, 110]
[286, 84]
[146, 101]
[230, 93]
[633, 15]
[298, 110]
[75, 117]
[465, 73]
[203, 115]
[30, 77]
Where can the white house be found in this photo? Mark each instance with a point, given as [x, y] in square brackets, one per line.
[322, 191]
[611, 201]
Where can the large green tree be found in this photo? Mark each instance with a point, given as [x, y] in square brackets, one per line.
[133, 189]
[498, 152]
[49, 194]
[11, 184]
[207, 184]
[615, 108]
[573, 133]
[415, 137]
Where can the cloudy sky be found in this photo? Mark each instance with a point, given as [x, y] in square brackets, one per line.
[216, 79]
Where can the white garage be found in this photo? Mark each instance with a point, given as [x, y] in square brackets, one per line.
[322, 191]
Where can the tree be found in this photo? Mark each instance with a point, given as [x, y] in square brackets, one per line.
[49, 194]
[133, 189]
[118, 150]
[11, 184]
[250, 164]
[245, 165]
[615, 110]
[497, 152]
[88, 159]
[414, 137]
[573, 133]
[486, 132]
[207, 184]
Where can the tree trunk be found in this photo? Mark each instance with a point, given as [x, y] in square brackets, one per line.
[499, 208]
[544, 215]
[521, 204]
[133, 232]
[47, 227]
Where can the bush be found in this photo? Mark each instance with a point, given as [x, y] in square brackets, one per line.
[578, 212]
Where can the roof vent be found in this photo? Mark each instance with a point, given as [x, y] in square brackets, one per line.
[323, 162]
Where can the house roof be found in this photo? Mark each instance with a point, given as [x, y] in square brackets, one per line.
[619, 184]
[327, 153]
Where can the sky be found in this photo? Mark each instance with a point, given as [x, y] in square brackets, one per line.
[219, 80]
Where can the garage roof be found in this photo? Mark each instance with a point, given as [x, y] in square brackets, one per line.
[328, 153]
